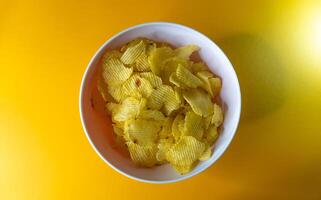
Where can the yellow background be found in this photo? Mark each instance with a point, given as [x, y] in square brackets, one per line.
[46, 45]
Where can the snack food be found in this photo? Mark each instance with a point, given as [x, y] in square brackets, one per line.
[162, 104]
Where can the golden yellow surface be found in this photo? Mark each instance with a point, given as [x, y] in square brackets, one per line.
[275, 47]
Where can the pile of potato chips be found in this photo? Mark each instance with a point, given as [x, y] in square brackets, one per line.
[161, 103]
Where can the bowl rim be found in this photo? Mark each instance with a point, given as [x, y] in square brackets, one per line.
[191, 174]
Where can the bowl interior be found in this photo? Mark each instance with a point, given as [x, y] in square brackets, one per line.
[98, 125]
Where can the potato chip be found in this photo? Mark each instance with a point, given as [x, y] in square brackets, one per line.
[163, 146]
[137, 84]
[197, 67]
[185, 78]
[114, 72]
[128, 109]
[170, 67]
[216, 85]
[132, 53]
[206, 154]
[176, 132]
[217, 118]
[199, 101]
[111, 54]
[158, 58]
[204, 76]
[118, 94]
[118, 131]
[152, 115]
[193, 125]
[143, 132]
[112, 108]
[186, 51]
[166, 131]
[185, 152]
[154, 80]
[210, 135]
[103, 90]
[142, 155]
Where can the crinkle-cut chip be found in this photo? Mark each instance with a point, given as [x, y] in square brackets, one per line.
[128, 109]
[117, 93]
[186, 51]
[166, 131]
[170, 67]
[152, 115]
[210, 135]
[163, 146]
[158, 57]
[137, 84]
[181, 125]
[204, 76]
[216, 85]
[193, 125]
[185, 77]
[112, 107]
[197, 67]
[185, 152]
[183, 169]
[163, 95]
[175, 126]
[206, 154]
[175, 81]
[171, 102]
[207, 121]
[103, 90]
[131, 44]
[111, 54]
[132, 53]
[200, 101]
[217, 118]
[143, 155]
[115, 73]
[179, 94]
[144, 132]
[154, 80]
[141, 63]
[117, 130]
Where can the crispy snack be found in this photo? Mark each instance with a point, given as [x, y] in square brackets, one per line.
[161, 103]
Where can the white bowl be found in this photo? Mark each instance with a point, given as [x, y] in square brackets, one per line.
[97, 125]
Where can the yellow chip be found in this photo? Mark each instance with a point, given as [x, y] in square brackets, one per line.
[185, 152]
[170, 67]
[184, 78]
[128, 109]
[163, 146]
[186, 51]
[144, 132]
[197, 67]
[193, 125]
[204, 76]
[176, 132]
[206, 154]
[217, 118]
[114, 72]
[158, 58]
[154, 80]
[216, 85]
[143, 155]
[137, 84]
[111, 54]
[103, 90]
[142, 64]
[117, 93]
[166, 131]
[132, 53]
[210, 135]
[199, 101]
[152, 115]
[112, 108]
[117, 130]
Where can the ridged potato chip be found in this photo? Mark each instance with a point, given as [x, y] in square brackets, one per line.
[143, 155]
[132, 53]
[185, 152]
[114, 72]
[186, 51]
[154, 80]
[158, 58]
[161, 104]
[144, 132]
[184, 78]
[199, 101]
[193, 125]
[217, 118]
